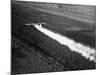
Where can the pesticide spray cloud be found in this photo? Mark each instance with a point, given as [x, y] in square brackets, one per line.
[87, 52]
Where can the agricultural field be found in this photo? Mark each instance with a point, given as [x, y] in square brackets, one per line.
[34, 52]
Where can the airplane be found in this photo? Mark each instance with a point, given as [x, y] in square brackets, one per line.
[36, 24]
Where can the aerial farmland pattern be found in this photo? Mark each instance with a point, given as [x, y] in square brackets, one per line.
[65, 42]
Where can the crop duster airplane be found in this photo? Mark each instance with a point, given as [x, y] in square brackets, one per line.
[36, 24]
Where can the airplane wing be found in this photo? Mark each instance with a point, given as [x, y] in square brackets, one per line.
[35, 23]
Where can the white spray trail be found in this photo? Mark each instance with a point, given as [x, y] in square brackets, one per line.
[87, 52]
